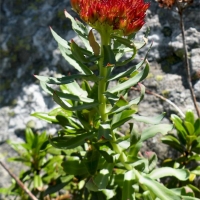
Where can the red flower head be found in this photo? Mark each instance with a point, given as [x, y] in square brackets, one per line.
[125, 15]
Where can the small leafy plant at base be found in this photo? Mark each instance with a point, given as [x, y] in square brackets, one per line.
[42, 172]
[94, 157]
[186, 141]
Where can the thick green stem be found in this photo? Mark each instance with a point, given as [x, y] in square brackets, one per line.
[103, 73]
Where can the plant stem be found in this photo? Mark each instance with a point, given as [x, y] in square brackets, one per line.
[187, 62]
[103, 73]
[163, 98]
[19, 182]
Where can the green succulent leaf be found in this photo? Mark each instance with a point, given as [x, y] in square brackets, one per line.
[134, 149]
[173, 142]
[58, 186]
[105, 131]
[67, 54]
[37, 181]
[80, 29]
[100, 180]
[66, 79]
[106, 156]
[147, 196]
[64, 105]
[121, 118]
[60, 111]
[74, 166]
[180, 128]
[91, 160]
[45, 117]
[128, 190]
[153, 130]
[149, 120]
[194, 157]
[197, 127]
[30, 137]
[191, 139]
[193, 188]
[77, 52]
[7, 191]
[189, 127]
[127, 72]
[132, 81]
[158, 189]
[189, 117]
[109, 57]
[65, 95]
[122, 104]
[122, 49]
[70, 142]
[181, 174]
[135, 135]
[74, 88]
[196, 171]
[196, 145]
[60, 40]
[152, 158]
[124, 41]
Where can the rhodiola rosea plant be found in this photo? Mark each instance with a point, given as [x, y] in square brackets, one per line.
[91, 110]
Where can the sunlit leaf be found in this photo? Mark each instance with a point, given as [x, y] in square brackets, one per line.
[63, 104]
[181, 130]
[101, 179]
[45, 116]
[131, 82]
[158, 189]
[149, 120]
[189, 117]
[153, 130]
[181, 174]
[128, 191]
[37, 181]
[80, 29]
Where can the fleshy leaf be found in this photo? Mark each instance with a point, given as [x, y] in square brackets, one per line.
[158, 189]
[70, 142]
[128, 191]
[153, 130]
[74, 166]
[100, 180]
[63, 104]
[80, 29]
[45, 116]
[132, 81]
[173, 142]
[104, 131]
[181, 130]
[181, 174]
[67, 54]
[149, 120]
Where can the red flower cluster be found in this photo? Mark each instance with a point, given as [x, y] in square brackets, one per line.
[125, 15]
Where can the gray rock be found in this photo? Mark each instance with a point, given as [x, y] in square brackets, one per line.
[27, 48]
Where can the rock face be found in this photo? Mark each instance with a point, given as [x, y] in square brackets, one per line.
[27, 48]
